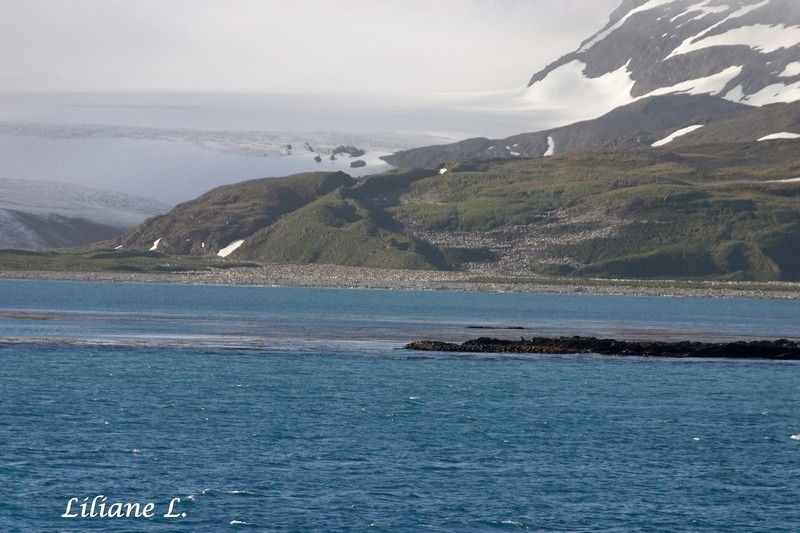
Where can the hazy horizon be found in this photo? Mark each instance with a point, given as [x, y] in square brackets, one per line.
[175, 147]
[168, 99]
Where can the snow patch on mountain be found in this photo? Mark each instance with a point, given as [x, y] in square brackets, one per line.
[686, 45]
[713, 84]
[674, 135]
[704, 10]
[759, 37]
[788, 180]
[551, 147]
[791, 70]
[777, 92]
[228, 250]
[569, 88]
[781, 135]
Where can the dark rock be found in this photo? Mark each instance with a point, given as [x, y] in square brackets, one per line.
[358, 163]
[781, 349]
[351, 150]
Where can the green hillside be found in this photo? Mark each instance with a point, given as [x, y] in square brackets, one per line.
[341, 228]
[231, 212]
[726, 212]
[706, 212]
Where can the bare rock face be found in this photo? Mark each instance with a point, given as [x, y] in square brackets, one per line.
[352, 151]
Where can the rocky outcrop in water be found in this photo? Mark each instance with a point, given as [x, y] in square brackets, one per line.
[781, 349]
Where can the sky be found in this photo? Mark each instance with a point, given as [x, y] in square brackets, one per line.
[288, 46]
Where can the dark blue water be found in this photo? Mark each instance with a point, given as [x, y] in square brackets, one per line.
[294, 410]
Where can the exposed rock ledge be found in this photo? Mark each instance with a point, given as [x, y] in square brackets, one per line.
[782, 349]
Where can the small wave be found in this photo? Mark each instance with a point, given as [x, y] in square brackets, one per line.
[413, 397]
[212, 492]
[795, 437]
[239, 523]
[496, 327]
[136, 450]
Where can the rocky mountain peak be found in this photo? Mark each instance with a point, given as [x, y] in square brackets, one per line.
[745, 51]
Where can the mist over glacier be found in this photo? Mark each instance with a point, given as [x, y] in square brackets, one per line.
[173, 147]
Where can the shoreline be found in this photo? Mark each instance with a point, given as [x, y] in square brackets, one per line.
[334, 276]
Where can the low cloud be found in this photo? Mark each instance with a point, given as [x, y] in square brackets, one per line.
[313, 46]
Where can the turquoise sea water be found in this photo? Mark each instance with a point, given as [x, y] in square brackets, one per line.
[295, 410]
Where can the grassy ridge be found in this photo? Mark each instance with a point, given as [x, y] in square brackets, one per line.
[231, 212]
[341, 229]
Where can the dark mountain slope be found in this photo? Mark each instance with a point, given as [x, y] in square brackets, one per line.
[19, 229]
[37, 214]
[751, 124]
[630, 126]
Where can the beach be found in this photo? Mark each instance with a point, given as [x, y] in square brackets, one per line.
[335, 276]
